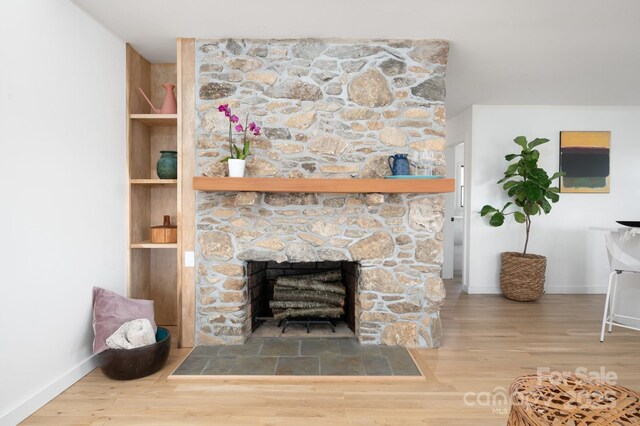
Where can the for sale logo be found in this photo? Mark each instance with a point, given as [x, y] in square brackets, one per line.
[499, 400]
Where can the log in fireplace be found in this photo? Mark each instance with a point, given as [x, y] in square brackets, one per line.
[302, 290]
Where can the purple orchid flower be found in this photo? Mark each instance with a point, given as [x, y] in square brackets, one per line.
[234, 118]
[225, 108]
[239, 128]
[254, 128]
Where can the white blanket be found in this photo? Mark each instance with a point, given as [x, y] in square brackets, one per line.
[132, 334]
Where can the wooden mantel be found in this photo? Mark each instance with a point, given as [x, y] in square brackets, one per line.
[335, 186]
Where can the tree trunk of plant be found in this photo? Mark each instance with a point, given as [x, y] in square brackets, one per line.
[527, 228]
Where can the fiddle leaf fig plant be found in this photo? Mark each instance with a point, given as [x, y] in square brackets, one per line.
[528, 186]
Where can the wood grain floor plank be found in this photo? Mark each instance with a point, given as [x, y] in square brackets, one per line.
[488, 341]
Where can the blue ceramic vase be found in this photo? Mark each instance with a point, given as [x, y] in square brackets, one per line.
[167, 166]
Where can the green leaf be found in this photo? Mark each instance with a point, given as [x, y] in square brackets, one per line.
[237, 150]
[556, 175]
[552, 196]
[511, 156]
[546, 207]
[511, 169]
[497, 219]
[506, 206]
[487, 209]
[225, 159]
[540, 175]
[536, 142]
[522, 141]
[510, 184]
[519, 217]
[245, 149]
[532, 191]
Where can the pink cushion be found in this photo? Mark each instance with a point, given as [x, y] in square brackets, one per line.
[110, 311]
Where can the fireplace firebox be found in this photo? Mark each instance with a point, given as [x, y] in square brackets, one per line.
[306, 296]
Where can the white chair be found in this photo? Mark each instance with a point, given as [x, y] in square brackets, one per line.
[624, 256]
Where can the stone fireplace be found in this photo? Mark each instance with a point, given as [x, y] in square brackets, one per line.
[329, 109]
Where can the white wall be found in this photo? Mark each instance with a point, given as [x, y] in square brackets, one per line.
[563, 235]
[459, 129]
[62, 157]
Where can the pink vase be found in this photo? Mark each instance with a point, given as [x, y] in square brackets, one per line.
[169, 104]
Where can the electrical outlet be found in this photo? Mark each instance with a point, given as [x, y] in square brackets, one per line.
[189, 259]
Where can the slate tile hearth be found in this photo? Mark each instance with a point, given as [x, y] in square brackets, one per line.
[262, 356]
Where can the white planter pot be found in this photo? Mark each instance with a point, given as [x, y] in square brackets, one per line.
[236, 168]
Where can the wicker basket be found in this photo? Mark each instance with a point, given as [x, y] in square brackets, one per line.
[522, 276]
[570, 400]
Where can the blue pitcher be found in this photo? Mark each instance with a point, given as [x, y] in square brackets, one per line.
[399, 164]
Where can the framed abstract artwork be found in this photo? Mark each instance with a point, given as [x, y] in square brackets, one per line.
[584, 158]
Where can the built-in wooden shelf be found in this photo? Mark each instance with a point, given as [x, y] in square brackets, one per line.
[335, 186]
[156, 120]
[149, 244]
[154, 182]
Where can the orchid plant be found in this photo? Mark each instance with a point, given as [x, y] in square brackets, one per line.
[237, 153]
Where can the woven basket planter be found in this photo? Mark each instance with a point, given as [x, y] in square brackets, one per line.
[522, 276]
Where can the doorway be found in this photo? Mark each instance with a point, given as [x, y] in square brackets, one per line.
[453, 265]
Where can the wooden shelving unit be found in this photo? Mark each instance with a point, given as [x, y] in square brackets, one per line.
[154, 269]
[335, 186]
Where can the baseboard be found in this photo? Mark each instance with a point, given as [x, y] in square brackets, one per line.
[483, 290]
[576, 290]
[55, 388]
[547, 290]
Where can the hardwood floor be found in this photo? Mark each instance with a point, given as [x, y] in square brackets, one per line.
[488, 341]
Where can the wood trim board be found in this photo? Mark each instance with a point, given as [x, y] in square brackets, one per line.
[334, 186]
[186, 195]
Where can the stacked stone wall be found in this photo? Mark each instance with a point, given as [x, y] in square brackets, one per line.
[328, 109]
